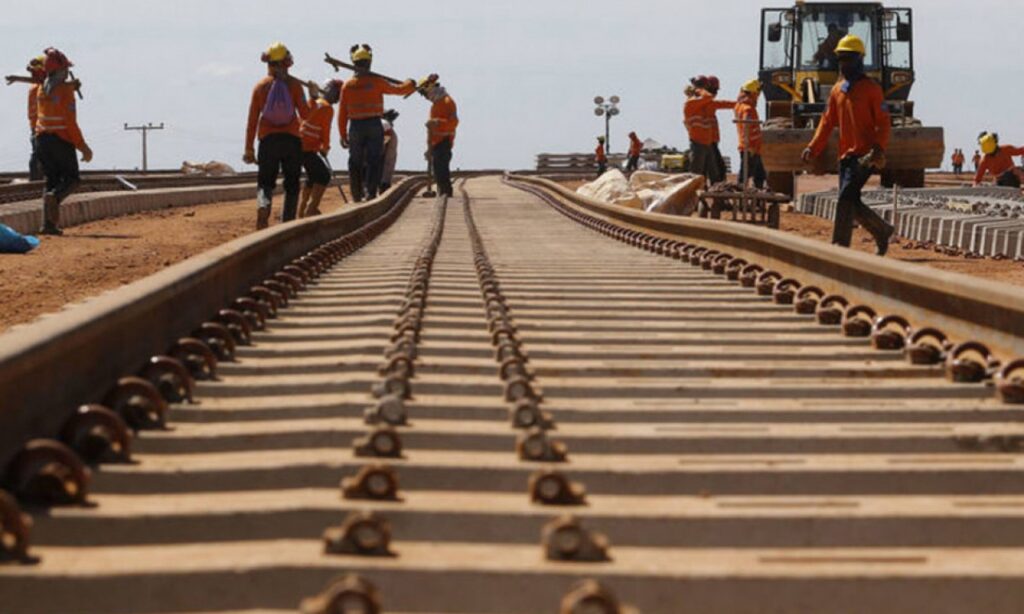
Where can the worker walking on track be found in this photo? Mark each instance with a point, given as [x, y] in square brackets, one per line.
[37, 70]
[636, 146]
[857, 106]
[57, 137]
[387, 172]
[702, 126]
[359, 122]
[748, 127]
[444, 119]
[277, 107]
[316, 144]
[998, 161]
[600, 157]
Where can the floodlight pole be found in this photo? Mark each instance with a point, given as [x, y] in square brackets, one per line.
[608, 109]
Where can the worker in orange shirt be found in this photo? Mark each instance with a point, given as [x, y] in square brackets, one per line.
[600, 157]
[315, 131]
[702, 126]
[444, 119]
[38, 73]
[998, 161]
[748, 128]
[359, 122]
[857, 106]
[636, 146]
[57, 137]
[958, 162]
[276, 109]
[976, 159]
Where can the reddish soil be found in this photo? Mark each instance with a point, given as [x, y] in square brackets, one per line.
[105, 254]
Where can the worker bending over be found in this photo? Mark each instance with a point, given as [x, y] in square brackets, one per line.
[857, 106]
[36, 69]
[998, 161]
[359, 122]
[702, 126]
[57, 137]
[316, 144]
[387, 171]
[600, 157]
[636, 146]
[444, 119]
[748, 127]
[277, 107]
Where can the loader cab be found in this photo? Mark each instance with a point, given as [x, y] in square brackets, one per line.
[798, 64]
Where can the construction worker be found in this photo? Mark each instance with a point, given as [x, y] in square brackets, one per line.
[359, 115]
[315, 131]
[976, 159]
[36, 69]
[444, 119]
[277, 107]
[600, 157]
[636, 146]
[702, 126]
[958, 162]
[57, 137]
[857, 106]
[387, 173]
[998, 161]
[748, 127]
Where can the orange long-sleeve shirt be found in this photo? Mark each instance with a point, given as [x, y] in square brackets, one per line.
[57, 114]
[362, 97]
[749, 133]
[258, 127]
[599, 154]
[861, 116]
[700, 119]
[636, 146]
[998, 163]
[447, 120]
[33, 106]
[316, 128]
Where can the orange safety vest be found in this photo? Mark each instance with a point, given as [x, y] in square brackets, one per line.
[362, 97]
[749, 134]
[57, 114]
[861, 116]
[315, 130]
[599, 154]
[447, 116]
[256, 125]
[636, 146]
[700, 119]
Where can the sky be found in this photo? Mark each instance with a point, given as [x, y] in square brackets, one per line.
[524, 74]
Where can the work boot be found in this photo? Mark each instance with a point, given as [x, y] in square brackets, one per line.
[882, 240]
[50, 229]
[262, 217]
[355, 180]
[51, 215]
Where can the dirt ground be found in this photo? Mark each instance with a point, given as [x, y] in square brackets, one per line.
[105, 254]
[820, 229]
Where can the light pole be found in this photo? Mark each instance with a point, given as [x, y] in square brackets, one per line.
[608, 110]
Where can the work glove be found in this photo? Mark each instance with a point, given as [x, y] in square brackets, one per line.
[874, 158]
[344, 143]
[249, 157]
[86, 153]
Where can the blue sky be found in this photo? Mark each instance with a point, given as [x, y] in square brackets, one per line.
[523, 73]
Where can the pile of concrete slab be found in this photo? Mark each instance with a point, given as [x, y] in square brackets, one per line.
[982, 221]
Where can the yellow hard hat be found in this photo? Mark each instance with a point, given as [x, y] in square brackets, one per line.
[850, 44]
[989, 143]
[276, 53]
[751, 87]
[426, 83]
[39, 60]
[361, 53]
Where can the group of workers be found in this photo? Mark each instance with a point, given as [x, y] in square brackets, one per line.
[294, 134]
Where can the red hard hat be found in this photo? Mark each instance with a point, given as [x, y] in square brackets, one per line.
[55, 60]
[699, 81]
[713, 83]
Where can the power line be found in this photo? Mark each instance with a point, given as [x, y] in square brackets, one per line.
[145, 131]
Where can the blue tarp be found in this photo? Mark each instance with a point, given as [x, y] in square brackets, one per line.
[11, 242]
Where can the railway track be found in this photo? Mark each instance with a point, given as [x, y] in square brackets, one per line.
[485, 404]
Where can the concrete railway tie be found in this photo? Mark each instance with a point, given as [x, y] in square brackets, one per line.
[492, 408]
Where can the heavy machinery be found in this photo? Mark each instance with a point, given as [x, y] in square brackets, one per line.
[799, 67]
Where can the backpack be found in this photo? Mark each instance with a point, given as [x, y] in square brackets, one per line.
[279, 109]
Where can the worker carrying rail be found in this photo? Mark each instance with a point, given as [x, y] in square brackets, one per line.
[57, 137]
[857, 106]
[998, 161]
[444, 119]
[702, 126]
[748, 127]
[315, 131]
[636, 147]
[359, 122]
[276, 110]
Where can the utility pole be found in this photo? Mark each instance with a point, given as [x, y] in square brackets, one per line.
[145, 132]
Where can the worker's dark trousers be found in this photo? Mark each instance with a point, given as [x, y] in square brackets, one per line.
[280, 152]
[717, 163]
[707, 160]
[632, 163]
[1009, 179]
[852, 177]
[60, 165]
[318, 170]
[601, 168]
[441, 156]
[756, 170]
[35, 168]
[365, 151]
